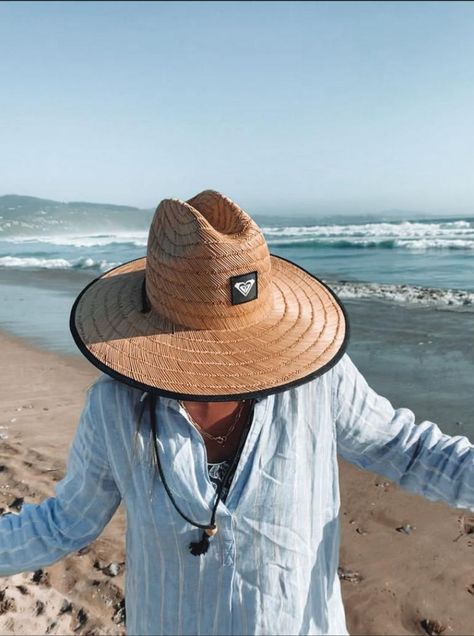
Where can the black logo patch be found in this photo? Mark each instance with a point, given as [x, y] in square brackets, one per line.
[243, 288]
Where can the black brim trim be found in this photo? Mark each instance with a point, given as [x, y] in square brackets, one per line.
[208, 398]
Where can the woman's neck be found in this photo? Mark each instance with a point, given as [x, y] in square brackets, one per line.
[217, 418]
[209, 414]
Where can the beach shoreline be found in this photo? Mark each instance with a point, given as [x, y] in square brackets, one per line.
[391, 581]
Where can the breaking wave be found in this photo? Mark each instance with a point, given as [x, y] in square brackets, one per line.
[413, 235]
[410, 235]
[31, 262]
[413, 294]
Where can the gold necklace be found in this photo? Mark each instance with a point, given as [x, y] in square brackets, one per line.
[219, 439]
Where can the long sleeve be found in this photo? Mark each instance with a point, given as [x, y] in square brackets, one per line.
[420, 458]
[84, 502]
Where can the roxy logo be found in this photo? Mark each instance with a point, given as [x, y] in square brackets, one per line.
[245, 286]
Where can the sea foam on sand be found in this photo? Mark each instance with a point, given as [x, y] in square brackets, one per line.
[433, 297]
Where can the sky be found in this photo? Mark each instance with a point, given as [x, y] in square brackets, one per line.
[306, 106]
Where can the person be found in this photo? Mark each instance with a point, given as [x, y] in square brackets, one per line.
[227, 394]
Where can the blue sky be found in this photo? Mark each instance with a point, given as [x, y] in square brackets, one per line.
[327, 107]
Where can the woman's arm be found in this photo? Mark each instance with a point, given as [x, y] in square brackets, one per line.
[375, 436]
[85, 501]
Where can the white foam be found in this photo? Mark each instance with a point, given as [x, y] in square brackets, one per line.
[405, 234]
[47, 263]
[436, 243]
[54, 263]
[138, 239]
[412, 294]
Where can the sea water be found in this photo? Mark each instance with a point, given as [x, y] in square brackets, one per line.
[415, 260]
[430, 253]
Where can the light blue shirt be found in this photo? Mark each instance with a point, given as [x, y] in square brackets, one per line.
[272, 567]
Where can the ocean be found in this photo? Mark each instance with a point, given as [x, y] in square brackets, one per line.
[49, 251]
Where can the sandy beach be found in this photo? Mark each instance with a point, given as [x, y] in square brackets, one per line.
[41, 400]
[406, 563]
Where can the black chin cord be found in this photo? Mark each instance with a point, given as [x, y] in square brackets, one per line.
[195, 547]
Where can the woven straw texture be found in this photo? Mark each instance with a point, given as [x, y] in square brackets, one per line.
[194, 341]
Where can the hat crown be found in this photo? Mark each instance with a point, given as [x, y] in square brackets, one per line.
[195, 251]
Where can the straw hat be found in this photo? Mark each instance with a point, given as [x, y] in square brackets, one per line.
[209, 314]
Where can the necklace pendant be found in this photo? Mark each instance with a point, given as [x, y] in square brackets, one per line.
[220, 440]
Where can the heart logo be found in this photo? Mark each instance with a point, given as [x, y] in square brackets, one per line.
[245, 286]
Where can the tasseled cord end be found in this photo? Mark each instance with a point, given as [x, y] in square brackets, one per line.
[196, 547]
[201, 547]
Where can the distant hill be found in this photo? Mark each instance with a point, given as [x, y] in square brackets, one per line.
[31, 216]
[24, 215]
[10, 202]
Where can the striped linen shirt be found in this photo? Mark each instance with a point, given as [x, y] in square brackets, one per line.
[272, 567]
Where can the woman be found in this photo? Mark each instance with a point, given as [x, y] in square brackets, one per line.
[226, 397]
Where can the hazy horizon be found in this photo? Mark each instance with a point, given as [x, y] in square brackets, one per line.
[298, 213]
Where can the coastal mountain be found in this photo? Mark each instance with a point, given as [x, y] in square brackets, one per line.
[31, 215]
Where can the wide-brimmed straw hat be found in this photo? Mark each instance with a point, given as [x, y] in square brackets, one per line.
[209, 314]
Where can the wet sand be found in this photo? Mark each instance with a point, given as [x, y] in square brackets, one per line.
[393, 582]
[420, 358]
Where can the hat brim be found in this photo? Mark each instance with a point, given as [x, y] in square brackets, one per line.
[302, 337]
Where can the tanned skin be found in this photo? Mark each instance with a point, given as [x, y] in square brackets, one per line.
[216, 418]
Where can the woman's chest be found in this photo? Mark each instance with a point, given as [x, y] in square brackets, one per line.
[287, 459]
